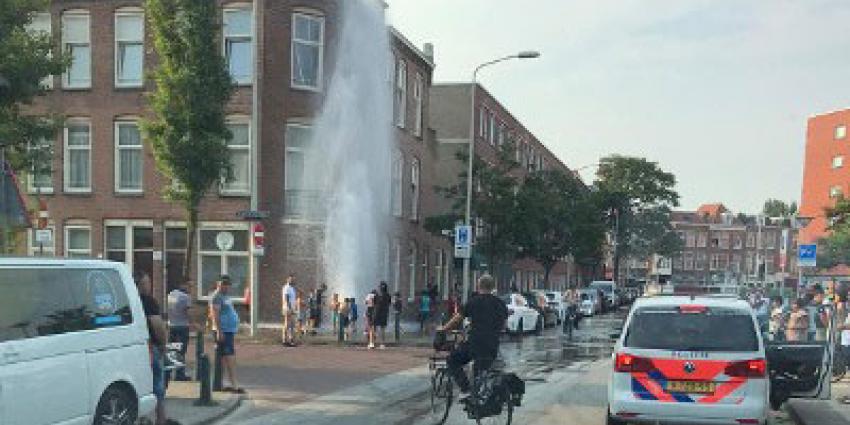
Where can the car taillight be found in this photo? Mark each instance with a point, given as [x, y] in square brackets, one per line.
[756, 368]
[629, 363]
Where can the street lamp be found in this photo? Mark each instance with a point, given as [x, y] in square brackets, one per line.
[526, 54]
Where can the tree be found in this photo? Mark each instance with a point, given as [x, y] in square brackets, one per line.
[639, 196]
[26, 59]
[778, 208]
[187, 129]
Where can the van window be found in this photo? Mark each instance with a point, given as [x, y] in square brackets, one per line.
[48, 301]
[716, 329]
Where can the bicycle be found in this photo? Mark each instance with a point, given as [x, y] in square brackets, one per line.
[492, 398]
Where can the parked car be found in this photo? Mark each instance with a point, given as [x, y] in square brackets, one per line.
[590, 302]
[521, 317]
[73, 343]
[556, 300]
[608, 287]
[703, 360]
[538, 301]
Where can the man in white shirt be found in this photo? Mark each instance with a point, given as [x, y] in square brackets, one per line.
[178, 322]
[287, 303]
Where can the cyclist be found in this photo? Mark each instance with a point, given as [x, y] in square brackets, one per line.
[488, 315]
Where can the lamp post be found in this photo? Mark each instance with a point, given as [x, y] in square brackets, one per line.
[471, 152]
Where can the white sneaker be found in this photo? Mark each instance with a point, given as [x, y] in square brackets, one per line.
[371, 346]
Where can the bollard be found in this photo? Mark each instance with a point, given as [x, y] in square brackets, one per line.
[199, 351]
[397, 328]
[217, 372]
[205, 396]
[341, 332]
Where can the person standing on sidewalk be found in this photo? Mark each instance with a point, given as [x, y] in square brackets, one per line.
[178, 323]
[288, 311]
[797, 327]
[157, 335]
[382, 313]
[335, 306]
[424, 312]
[370, 318]
[777, 319]
[352, 318]
[225, 326]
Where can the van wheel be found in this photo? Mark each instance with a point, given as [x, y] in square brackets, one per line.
[117, 406]
[611, 420]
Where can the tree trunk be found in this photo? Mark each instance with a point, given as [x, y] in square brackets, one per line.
[191, 230]
[616, 272]
[547, 270]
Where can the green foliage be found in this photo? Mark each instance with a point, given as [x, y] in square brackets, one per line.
[834, 250]
[187, 129]
[26, 58]
[778, 208]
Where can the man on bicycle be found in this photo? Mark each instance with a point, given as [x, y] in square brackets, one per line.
[487, 314]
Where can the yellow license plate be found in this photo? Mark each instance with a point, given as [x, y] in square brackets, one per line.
[690, 387]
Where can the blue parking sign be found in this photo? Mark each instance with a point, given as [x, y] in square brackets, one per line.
[463, 241]
[807, 255]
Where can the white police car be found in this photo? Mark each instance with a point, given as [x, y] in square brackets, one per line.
[703, 360]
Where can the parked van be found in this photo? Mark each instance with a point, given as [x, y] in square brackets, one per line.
[73, 343]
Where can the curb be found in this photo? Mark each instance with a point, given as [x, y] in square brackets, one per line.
[230, 405]
[805, 412]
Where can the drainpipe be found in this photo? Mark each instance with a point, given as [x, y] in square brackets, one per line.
[255, 155]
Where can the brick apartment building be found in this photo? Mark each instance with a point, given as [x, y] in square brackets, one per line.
[825, 175]
[104, 194]
[494, 125]
[724, 252]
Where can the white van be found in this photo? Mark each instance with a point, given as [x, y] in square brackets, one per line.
[73, 344]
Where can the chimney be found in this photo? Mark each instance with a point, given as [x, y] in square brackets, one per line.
[428, 49]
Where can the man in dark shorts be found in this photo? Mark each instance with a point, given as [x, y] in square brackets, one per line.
[382, 312]
[487, 314]
[157, 338]
[226, 325]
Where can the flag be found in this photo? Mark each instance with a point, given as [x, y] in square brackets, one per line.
[13, 210]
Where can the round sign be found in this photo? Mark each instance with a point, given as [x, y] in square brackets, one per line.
[224, 241]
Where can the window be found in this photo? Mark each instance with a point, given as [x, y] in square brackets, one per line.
[41, 173]
[412, 257]
[238, 46]
[690, 239]
[665, 328]
[678, 262]
[400, 93]
[77, 241]
[834, 191]
[128, 158]
[239, 149]
[702, 239]
[396, 201]
[735, 264]
[497, 134]
[738, 241]
[837, 161]
[770, 240]
[718, 261]
[396, 265]
[500, 140]
[482, 122]
[300, 194]
[700, 261]
[418, 87]
[724, 240]
[492, 125]
[77, 157]
[41, 24]
[76, 44]
[175, 253]
[308, 38]
[840, 132]
[129, 48]
[751, 239]
[689, 261]
[38, 249]
[130, 243]
[414, 190]
[223, 250]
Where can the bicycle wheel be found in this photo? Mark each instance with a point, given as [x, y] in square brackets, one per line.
[504, 417]
[442, 390]
[839, 367]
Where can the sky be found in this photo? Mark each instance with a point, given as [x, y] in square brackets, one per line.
[716, 91]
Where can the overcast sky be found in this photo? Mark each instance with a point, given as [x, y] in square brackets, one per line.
[716, 91]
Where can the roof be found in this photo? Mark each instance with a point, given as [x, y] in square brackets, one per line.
[712, 209]
[708, 301]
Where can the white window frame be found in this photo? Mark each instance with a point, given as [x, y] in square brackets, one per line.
[129, 239]
[223, 189]
[31, 188]
[840, 132]
[49, 250]
[220, 226]
[320, 44]
[46, 19]
[249, 37]
[400, 93]
[835, 191]
[66, 157]
[397, 184]
[837, 161]
[291, 213]
[418, 90]
[83, 253]
[491, 135]
[415, 190]
[66, 44]
[117, 156]
[129, 12]
[482, 121]
[413, 257]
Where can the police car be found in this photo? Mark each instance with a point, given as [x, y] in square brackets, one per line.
[703, 360]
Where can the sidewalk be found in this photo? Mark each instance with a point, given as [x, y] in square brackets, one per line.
[822, 412]
[180, 404]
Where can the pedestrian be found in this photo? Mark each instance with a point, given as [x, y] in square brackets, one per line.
[844, 327]
[398, 308]
[178, 323]
[157, 335]
[424, 311]
[352, 317]
[344, 312]
[320, 301]
[370, 319]
[776, 323]
[382, 312]
[313, 308]
[225, 326]
[300, 313]
[288, 311]
[335, 306]
[818, 315]
[798, 322]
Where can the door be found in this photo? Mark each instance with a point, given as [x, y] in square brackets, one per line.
[42, 358]
[801, 368]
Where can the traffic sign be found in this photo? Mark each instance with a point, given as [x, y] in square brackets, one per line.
[807, 255]
[463, 241]
[252, 215]
[44, 236]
